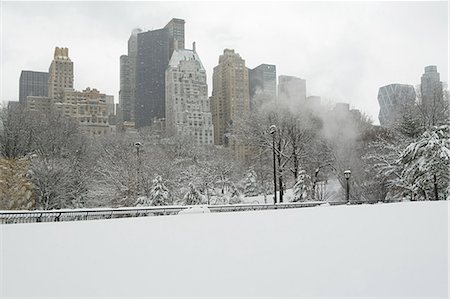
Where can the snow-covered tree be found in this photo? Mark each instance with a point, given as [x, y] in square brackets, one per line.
[235, 196]
[192, 197]
[302, 187]
[250, 184]
[15, 132]
[143, 201]
[427, 163]
[159, 195]
[382, 164]
[58, 183]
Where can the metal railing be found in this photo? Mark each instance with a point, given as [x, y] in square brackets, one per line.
[11, 217]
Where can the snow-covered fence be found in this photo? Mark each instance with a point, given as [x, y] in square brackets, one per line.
[7, 217]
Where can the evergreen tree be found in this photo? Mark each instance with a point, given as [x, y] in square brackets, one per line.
[303, 186]
[192, 197]
[250, 184]
[427, 163]
[159, 194]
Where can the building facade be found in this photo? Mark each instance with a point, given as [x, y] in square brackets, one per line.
[434, 107]
[142, 74]
[262, 85]
[110, 105]
[187, 104]
[292, 90]
[176, 34]
[127, 92]
[89, 108]
[152, 60]
[35, 103]
[430, 85]
[60, 73]
[394, 99]
[32, 84]
[230, 95]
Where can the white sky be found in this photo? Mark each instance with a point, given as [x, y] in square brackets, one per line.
[345, 50]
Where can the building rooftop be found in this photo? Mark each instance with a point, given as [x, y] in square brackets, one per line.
[184, 54]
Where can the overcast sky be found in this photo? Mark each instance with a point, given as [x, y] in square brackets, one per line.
[344, 50]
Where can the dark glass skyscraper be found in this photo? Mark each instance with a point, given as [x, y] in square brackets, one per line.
[262, 84]
[152, 59]
[32, 84]
[154, 49]
[176, 34]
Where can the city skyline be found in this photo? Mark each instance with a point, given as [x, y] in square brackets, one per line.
[338, 64]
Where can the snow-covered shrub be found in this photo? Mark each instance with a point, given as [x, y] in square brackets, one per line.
[143, 201]
[302, 187]
[192, 196]
[250, 184]
[159, 195]
[235, 196]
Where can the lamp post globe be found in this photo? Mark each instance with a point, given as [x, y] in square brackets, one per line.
[272, 129]
[347, 174]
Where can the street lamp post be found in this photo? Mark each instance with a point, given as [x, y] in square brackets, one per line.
[347, 175]
[138, 146]
[272, 131]
[280, 174]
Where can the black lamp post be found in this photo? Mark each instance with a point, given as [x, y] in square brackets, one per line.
[347, 175]
[138, 146]
[272, 130]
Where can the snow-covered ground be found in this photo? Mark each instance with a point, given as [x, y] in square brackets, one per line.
[383, 250]
[331, 191]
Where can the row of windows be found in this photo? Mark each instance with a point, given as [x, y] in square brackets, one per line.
[93, 120]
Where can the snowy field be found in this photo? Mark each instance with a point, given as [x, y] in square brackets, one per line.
[383, 250]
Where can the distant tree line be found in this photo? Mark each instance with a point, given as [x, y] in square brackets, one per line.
[47, 162]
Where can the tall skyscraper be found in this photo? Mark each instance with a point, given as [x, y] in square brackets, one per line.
[230, 95]
[152, 60]
[176, 34]
[262, 84]
[89, 107]
[60, 74]
[430, 85]
[292, 90]
[394, 99]
[154, 49]
[434, 109]
[127, 93]
[32, 84]
[187, 104]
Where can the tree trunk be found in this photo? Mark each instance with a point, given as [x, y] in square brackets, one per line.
[436, 193]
